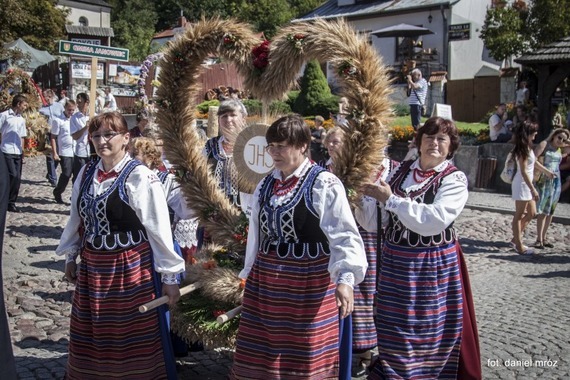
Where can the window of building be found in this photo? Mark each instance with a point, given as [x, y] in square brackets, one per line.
[83, 21]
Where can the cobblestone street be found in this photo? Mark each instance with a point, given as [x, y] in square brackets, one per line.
[522, 302]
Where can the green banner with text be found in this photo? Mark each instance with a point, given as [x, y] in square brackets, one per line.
[76, 48]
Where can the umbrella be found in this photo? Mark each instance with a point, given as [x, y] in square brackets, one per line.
[401, 30]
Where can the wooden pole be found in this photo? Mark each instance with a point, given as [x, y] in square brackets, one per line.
[164, 299]
[93, 88]
[229, 315]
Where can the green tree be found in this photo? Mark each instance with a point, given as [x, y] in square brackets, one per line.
[38, 22]
[517, 28]
[315, 90]
[133, 25]
[266, 15]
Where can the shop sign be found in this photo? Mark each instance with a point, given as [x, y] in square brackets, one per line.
[459, 32]
[82, 70]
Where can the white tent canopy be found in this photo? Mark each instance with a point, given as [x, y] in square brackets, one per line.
[39, 57]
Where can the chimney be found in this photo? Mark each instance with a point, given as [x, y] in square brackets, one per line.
[182, 22]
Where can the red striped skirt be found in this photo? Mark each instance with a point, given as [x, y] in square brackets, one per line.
[289, 322]
[108, 335]
[363, 327]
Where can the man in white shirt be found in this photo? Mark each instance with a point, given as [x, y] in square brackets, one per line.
[522, 95]
[499, 125]
[417, 87]
[60, 130]
[51, 110]
[78, 126]
[110, 102]
[13, 130]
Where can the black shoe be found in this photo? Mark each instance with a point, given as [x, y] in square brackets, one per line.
[58, 199]
[13, 208]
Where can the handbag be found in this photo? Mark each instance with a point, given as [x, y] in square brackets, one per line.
[510, 169]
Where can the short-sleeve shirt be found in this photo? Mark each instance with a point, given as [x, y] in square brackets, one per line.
[112, 102]
[54, 110]
[77, 122]
[493, 134]
[60, 127]
[13, 129]
[418, 95]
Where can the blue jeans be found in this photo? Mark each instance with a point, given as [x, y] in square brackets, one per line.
[416, 115]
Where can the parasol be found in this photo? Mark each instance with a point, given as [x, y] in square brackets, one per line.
[401, 30]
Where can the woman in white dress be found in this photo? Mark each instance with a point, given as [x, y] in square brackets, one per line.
[524, 193]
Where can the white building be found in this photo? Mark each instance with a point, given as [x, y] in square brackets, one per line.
[454, 47]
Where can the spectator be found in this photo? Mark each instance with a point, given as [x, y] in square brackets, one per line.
[78, 127]
[523, 191]
[51, 110]
[499, 125]
[520, 116]
[110, 102]
[549, 189]
[99, 101]
[142, 122]
[63, 98]
[522, 95]
[417, 89]
[317, 138]
[556, 117]
[13, 130]
[62, 152]
[8, 364]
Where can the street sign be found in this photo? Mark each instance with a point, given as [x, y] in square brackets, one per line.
[97, 51]
[459, 32]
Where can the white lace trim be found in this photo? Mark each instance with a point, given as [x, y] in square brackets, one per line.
[346, 278]
[169, 278]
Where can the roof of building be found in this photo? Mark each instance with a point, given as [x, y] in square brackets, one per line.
[556, 52]
[90, 31]
[331, 9]
[102, 3]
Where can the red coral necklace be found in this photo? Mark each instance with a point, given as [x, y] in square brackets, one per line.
[420, 175]
[281, 188]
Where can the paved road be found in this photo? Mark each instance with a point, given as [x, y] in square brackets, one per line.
[522, 303]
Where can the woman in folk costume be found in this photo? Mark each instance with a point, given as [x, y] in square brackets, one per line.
[422, 266]
[146, 151]
[361, 322]
[303, 257]
[119, 227]
[219, 150]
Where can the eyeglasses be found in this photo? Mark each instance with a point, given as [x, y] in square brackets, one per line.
[105, 136]
[271, 148]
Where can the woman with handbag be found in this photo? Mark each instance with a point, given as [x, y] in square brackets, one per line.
[523, 191]
[549, 189]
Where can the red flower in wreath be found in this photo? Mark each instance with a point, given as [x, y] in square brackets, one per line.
[261, 55]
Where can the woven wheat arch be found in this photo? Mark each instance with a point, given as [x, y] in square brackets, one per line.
[367, 91]
[365, 83]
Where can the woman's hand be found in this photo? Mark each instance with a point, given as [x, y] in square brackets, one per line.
[550, 174]
[344, 299]
[71, 271]
[173, 293]
[534, 194]
[379, 192]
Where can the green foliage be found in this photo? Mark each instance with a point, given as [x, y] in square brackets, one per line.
[402, 110]
[315, 91]
[205, 106]
[38, 22]
[266, 15]
[548, 21]
[292, 98]
[515, 29]
[253, 106]
[278, 107]
[133, 24]
[502, 32]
